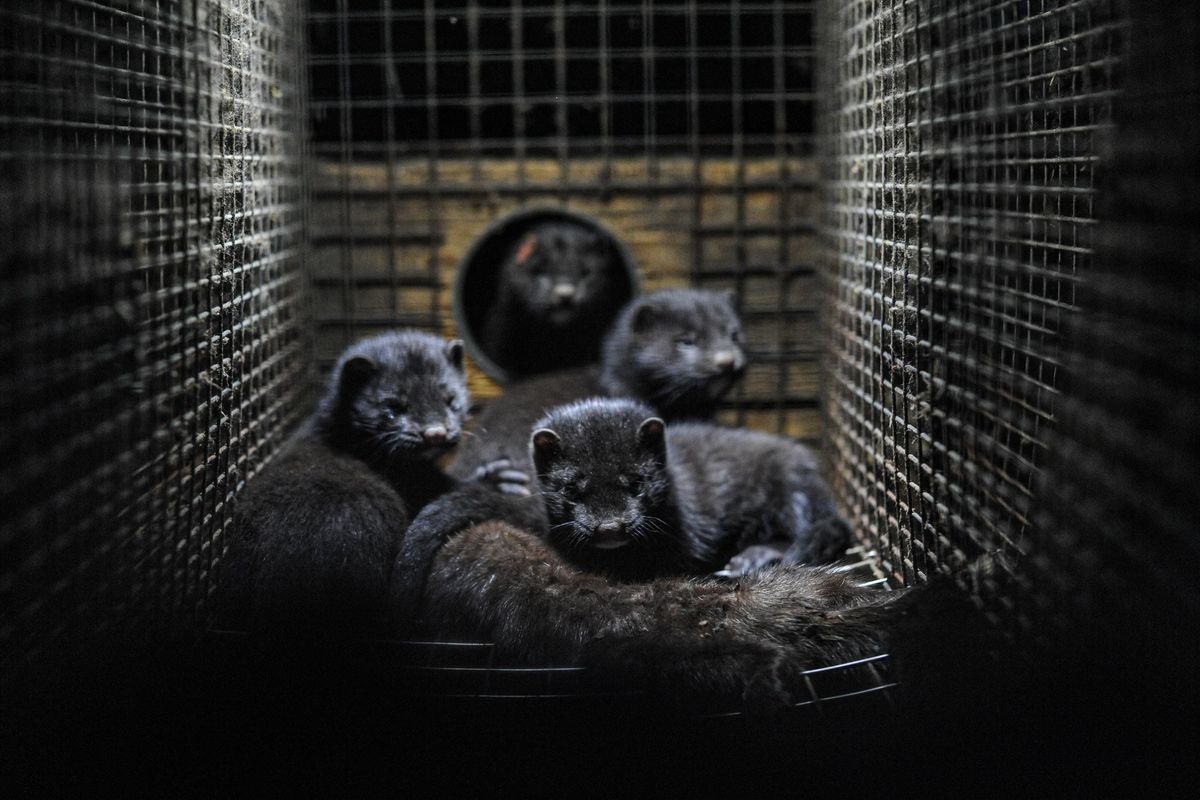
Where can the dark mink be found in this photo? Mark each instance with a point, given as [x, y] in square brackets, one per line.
[468, 505]
[316, 531]
[631, 497]
[555, 297]
[747, 640]
[678, 350]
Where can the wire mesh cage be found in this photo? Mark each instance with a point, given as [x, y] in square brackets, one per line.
[959, 235]
[960, 209]
[684, 128]
[1116, 528]
[151, 297]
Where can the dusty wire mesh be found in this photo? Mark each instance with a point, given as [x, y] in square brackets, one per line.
[1107, 605]
[961, 145]
[1118, 528]
[685, 127]
[149, 334]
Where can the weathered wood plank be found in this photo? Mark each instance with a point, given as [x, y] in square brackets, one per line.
[387, 239]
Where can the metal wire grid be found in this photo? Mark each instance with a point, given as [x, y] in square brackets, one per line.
[961, 143]
[555, 78]
[685, 127]
[1118, 532]
[149, 333]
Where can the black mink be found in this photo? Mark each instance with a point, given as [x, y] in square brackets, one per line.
[316, 531]
[555, 298]
[631, 497]
[678, 350]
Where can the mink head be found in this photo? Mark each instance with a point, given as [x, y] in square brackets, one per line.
[602, 468]
[399, 396]
[677, 349]
[559, 271]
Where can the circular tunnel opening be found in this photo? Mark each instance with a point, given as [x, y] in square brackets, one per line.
[477, 294]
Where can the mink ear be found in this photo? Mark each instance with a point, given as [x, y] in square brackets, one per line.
[643, 318]
[652, 437]
[356, 372]
[730, 297]
[546, 447]
[526, 248]
[454, 352]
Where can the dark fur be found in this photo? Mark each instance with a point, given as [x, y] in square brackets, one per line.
[750, 639]
[554, 300]
[316, 532]
[678, 350]
[686, 498]
[502, 428]
[468, 505]
[313, 535]
[642, 360]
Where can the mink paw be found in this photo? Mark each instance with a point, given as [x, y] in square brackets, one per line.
[503, 478]
[752, 559]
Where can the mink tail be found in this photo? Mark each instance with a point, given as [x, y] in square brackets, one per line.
[748, 640]
[467, 505]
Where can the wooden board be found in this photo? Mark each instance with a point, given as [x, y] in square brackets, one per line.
[387, 238]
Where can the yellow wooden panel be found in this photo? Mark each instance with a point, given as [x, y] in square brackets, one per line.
[800, 423]
[433, 212]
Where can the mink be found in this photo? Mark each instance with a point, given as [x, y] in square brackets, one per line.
[629, 496]
[315, 533]
[625, 495]
[748, 640]
[679, 350]
[482, 564]
[555, 297]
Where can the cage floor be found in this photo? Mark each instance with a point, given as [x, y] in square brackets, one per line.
[448, 671]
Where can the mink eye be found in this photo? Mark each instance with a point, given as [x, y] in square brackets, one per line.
[735, 336]
[686, 340]
[394, 405]
[631, 483]
[574, 490]
[452, 402]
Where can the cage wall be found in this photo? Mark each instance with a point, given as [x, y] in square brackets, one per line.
[961, 147]
[686, 128]
[150, 301]
[1118, 517]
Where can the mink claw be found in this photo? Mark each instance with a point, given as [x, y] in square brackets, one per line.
[513, 476]
[752, 559]
[486, 470]
[500, 475]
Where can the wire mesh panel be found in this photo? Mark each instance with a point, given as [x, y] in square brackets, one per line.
[149, 288]
[1119, 525]
[684, 127]
[1107, 607]
[961, 149]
